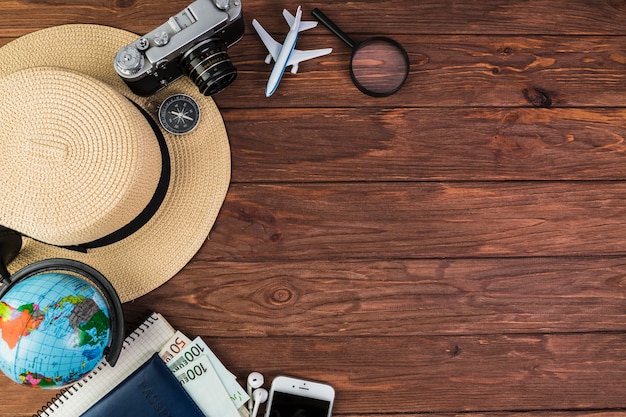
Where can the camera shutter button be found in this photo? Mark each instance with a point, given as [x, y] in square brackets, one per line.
[161, 38]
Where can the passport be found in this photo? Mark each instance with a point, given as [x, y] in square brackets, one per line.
[151, 391]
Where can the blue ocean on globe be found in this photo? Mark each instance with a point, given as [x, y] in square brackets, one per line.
[54, 328]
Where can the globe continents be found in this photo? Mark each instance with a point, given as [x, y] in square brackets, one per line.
[54, 328]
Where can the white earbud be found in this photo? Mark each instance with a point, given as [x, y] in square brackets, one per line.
[255, 380]
[259, 396]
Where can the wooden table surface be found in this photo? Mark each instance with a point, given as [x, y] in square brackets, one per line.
[458, 247]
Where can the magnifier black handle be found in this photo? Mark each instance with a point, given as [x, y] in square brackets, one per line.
[319, 15]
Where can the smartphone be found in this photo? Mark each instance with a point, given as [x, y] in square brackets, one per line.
[294, 397]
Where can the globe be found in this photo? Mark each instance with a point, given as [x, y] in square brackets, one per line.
[54, 328]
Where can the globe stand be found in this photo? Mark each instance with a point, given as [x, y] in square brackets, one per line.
[10, 245]
[91, 275]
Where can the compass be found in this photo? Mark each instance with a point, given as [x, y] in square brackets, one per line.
[179, 114]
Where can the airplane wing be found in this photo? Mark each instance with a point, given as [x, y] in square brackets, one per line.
[298, 56]
[272, 46]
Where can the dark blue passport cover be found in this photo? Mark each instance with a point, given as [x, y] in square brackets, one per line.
[150, 391]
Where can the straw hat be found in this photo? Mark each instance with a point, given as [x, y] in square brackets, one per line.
[81, 158]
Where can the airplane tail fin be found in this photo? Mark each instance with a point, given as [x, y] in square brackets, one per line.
[291, 20]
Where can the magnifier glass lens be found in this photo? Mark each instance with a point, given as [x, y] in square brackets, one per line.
[379, 67]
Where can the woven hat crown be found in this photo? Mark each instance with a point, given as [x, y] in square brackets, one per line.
[78, 159]
[195, 170]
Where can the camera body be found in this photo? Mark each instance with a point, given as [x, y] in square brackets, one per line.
[194, 43]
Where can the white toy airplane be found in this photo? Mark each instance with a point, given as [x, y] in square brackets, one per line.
[285, 55]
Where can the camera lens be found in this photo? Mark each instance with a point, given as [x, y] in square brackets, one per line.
[208, 65]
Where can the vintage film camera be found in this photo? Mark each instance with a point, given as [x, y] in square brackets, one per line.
[193, 43]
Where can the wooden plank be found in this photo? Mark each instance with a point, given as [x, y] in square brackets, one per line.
[392, 298]
[420, 220]
[426, 144]
[415, 374]
[433, 374]
[446, 71]
[439, 374]
[359, 18]
[468, 17]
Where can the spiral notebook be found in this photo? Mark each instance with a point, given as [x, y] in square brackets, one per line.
[138, 348]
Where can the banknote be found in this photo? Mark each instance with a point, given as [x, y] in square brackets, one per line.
[180, 351]
[174, 346]
[204, 386]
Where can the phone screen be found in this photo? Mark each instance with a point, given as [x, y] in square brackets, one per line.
[289, 405]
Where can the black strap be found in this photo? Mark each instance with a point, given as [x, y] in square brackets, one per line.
[152, 207]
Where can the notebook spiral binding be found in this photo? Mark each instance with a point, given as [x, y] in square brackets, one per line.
[67, 393]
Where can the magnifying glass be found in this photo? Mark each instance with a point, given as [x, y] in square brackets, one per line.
[379, 66]
[59, 318]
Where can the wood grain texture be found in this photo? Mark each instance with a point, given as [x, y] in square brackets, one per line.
[426, 144]
[451, 71]
[364, 298]
[356, 221]
[358, 17]
[451, 374]
[458, 248]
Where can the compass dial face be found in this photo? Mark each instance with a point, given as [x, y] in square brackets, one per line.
[179, 114]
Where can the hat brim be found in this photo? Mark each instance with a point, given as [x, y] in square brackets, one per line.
[200, 164]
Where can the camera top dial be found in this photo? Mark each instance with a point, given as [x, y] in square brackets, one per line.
[129, 60]
[222, 4]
